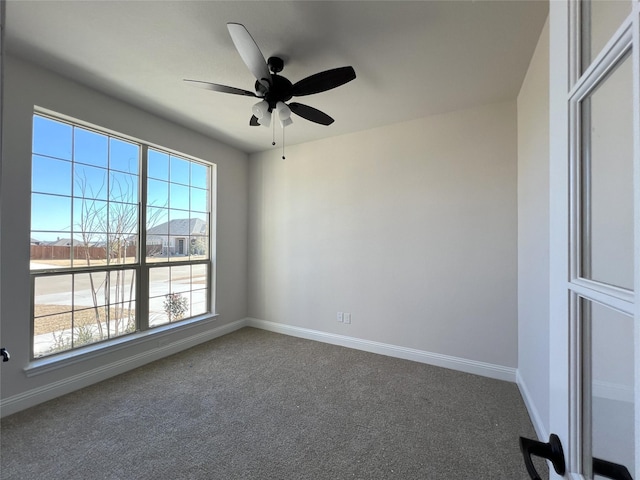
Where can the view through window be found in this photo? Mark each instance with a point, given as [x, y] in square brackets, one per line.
[97, 274]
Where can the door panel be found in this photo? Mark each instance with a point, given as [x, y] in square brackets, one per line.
[594, 319]
[607, 179]
[608, 379]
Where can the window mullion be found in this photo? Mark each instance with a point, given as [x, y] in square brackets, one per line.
[142, 294]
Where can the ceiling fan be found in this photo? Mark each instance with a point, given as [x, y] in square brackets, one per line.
[275, 90]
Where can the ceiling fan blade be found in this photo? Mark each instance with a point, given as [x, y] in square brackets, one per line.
[310, 113]
[220, 88]
[250, 53]
[323, 81]
[254, 121]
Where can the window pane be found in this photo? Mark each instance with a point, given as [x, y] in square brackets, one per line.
[157, 315]
[199, 247]
[122, 319]
[199, 223]
[199, 276]
[123, 218]
[157, 219]
[179, 223]
[89, 215]
[178, 247]
[45, 238]
[157, 248]
[157, 234]
[45, 254]
[157, 193]
[90, 249]
[51, 138]
[181, 278]
[56, 328]
[199, 239]
[199, 200]
[89, 326]
[608, 366]
[90, 182]
[159, 284]
[49, 175]
[199, 302]
[123, 249]
[122, 305]
[52, 334]
[89, 290]
[50, 213]
[123, 187]
[158, 165]
[607, 180]
[90, 147]
[122, 286]
[52, 295]
[179, 171]
[179, 197]
[123, 156]
[199, 175]
[176, 306]
[159, 281]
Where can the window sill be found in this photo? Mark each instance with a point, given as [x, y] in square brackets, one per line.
[40, 366]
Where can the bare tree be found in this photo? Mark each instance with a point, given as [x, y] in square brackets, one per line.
[122, 226]
[90, 222]
[112, 228]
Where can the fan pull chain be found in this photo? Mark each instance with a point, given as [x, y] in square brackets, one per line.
[283, 129]
[273, 132]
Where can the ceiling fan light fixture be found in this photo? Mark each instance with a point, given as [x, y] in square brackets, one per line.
[265, 120]
[285, 122]
[284, 112]
[260, 109]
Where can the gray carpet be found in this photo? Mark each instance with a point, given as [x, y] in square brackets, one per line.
[258, 405]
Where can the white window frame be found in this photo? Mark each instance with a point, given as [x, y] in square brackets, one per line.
[43, 364]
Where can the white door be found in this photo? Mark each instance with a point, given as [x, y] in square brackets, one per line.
[595, 237]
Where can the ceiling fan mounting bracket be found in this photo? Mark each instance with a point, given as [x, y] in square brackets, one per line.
[276, 64]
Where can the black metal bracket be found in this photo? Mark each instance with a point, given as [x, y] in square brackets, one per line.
[610, 470]
[5, 354]
[552, 451]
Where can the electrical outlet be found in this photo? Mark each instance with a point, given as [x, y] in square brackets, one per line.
[347, 318]
[340, 317]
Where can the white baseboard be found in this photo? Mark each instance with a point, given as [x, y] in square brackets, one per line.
[41, 394]
[534, 414]
[52, 390]
[498, 372]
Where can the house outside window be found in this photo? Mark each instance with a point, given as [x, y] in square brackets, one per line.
[120, 236]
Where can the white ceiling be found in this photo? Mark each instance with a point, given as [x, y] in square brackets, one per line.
[412, 59]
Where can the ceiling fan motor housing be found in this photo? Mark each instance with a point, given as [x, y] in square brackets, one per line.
[280, 91]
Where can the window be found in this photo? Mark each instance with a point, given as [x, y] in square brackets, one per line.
[97, 274]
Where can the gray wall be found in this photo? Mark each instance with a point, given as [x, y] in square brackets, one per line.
[533, 236]
[26, 86]
[412, 228]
